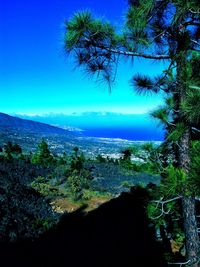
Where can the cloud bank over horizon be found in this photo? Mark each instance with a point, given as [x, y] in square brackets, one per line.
[136, 127]
[95, 119]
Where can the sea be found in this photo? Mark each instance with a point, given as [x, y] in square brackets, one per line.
[128, 133]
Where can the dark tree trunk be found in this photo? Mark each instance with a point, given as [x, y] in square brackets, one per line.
[188, 205]
[191, 234]
[183, 160]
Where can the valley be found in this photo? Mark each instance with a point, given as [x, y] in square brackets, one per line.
[29, 133]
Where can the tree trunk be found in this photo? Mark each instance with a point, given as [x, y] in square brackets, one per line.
[188, 205]
[191, 234]
[188, 201]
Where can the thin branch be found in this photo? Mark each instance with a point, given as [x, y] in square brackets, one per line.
[179, 263]
[193, 11]
[195, 42]
[162, 203]
[170, 123]
[126, 53]
[135, 54]
[194, 87]
[177, 144]
[195, 129]
[160, 34]
[167, 201]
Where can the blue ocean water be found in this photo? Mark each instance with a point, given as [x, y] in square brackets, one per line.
[134, 127]
[128, 133]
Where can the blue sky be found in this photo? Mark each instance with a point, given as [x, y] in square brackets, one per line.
[36, 77]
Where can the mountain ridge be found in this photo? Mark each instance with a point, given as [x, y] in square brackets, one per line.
[16, 123]
[28, 135]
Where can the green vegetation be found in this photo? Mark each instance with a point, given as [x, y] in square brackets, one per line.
[170, 31]
[11, 150]
[156, 30]
[77, 182]
[40, 182]
[43, 155]
[68, 182]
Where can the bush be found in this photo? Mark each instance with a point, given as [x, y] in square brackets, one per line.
[40, 185]
[76, 183]
[43, 155]
[126, 184]
[88, 194]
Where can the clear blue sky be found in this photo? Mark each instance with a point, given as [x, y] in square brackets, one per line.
[35, 75]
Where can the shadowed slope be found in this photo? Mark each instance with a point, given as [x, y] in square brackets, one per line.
[115, 234]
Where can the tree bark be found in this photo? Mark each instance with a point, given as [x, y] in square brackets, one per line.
[188, 205]
[191, 234]
[188, 200]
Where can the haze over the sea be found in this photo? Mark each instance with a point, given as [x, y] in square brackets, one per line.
[137, 127]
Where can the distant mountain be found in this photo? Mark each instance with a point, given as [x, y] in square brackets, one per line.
[92, 119]
[137, 127]
[8, 122]
[28, 134]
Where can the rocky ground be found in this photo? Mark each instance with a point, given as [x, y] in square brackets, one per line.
[112, 178]
[24, 213]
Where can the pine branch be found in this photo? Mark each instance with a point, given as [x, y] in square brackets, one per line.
[126, 53]
[193, 11]
[195, 129]
[135, 54]
[159, 35]
[179, 263]
[166, 201]
[195, 42]
[162, 203]
[194, 87]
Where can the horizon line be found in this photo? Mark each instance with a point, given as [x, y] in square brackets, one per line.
[47, 114]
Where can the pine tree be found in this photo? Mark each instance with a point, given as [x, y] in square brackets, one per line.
[43, 155]
[157, 30]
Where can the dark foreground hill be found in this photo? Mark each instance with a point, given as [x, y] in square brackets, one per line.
[116, 234]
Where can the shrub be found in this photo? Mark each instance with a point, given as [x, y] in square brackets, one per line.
[43, 155]
[126, 184]
[76, 183]
[40, 185]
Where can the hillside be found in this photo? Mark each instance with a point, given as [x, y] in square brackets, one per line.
[28, 134]
[13, 123]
